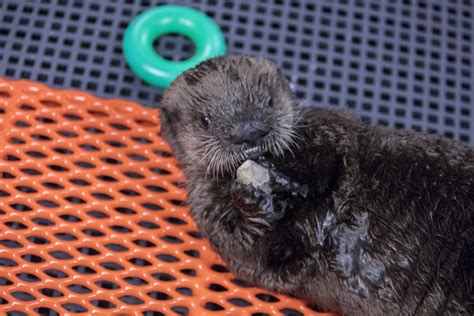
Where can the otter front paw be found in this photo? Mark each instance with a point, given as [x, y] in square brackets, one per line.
[250, 198]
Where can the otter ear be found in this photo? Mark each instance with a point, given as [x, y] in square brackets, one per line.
[169, 129]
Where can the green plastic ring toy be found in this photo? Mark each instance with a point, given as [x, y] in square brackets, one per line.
[148, 26]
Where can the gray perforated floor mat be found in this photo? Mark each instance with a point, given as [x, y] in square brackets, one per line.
[407, 64]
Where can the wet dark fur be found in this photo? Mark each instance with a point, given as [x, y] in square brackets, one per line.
[387, 227]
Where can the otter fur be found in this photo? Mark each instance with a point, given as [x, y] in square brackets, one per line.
[380, 222]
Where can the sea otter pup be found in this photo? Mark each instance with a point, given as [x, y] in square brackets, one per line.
[358, 219]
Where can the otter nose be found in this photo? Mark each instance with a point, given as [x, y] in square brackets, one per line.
[249, 132]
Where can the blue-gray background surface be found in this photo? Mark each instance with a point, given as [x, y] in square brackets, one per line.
[406, 64]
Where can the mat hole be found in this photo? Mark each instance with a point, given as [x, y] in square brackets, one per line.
[108, 285]
[291, 312]
[134, 175]
[4, 94]
[42, 221]
[111, 266]
[89, 147]
[77, 288]
[22, 124]
[20, 207]
[88, 251]
[210, 306]
[184, 291]
[50, 103]
[10, 243]
[102, 196]
[140, 262]
[45, 120]
[58, 168]
[26, 107]
[67, 134]
[6, 175]
[115, 144]
[142, 140]
[15, 225]
[102, 304]
[32, 258]
[137, 157]
[5, 281]
[75, 200]
[239, 302]
[192, 253]
[74, 308]
[25, 189]
[35, 154]
[107, 178]
[162, 153]
[171, 239]
[240, 283]
[119, 126]
[155, 188]
[48, 203]
[195, 234]
[167, 257]
[83, 269]
[93, 130]
[219, 268]
[160, 171]
[143, 243]
[65, 236]
[131, 300]
[217, 287]
[153, 313]
[70, 218]
[160, 296]
[180, 310]
[63, 151]
[93, 232]
[121, 229]
[116, 247]
[5, 262]
[148, 225]
[11, 158]
[161, 276]
[267, 298]
[27, 277]
[51, 292]
[152, 206]
[188, 272]
[31, 172]
[135, 281]
[23, 296]
[40, 137]
[61, 255]
[175, 220]
[72, 117]
[38, 240]
[111, 161]
[56, 274]
[52, 185]
[125, 210]
[97, 214]
[16, 141]
[44, 311]
[97, 113]
[84, 164]
[79, 182]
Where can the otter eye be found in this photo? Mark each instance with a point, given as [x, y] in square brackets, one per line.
[205, 121]
[270, 102]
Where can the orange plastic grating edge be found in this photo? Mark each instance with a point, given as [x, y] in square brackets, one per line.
[92, 215]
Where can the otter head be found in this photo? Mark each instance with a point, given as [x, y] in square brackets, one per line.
[226, 110]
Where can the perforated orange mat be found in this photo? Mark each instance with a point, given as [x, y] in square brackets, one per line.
[92, 216]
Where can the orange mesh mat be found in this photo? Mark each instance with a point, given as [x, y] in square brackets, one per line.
[92, 216]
